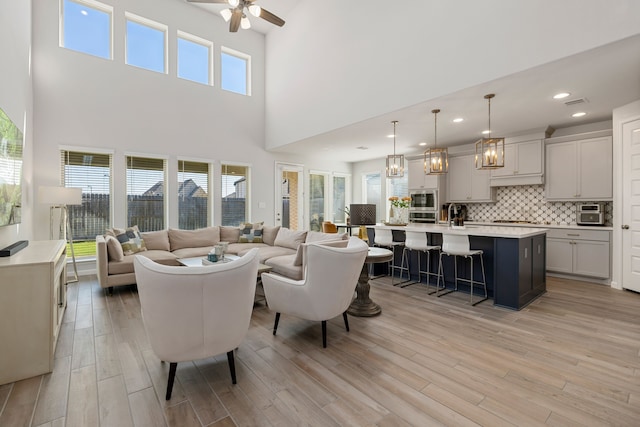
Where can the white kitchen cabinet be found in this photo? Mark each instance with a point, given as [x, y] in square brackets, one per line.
[580, 169]
[466, 184]
[522, 165]
[418, 179]
[32, 303]
[580, 252]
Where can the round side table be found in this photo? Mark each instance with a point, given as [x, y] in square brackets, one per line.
[362, 305]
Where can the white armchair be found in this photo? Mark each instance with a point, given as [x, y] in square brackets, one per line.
[191, 313]
[330, 279]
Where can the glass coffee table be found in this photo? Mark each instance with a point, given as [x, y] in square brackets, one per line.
[200, 261]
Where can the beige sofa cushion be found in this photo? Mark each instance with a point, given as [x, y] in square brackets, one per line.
[315, 237]
[269, 234]
[229, 234]
[284, 266]
[126, 264]
[158, 240]
[192, 252]
[203, 237]
[114, 250]
[289, 238]
[266, 252]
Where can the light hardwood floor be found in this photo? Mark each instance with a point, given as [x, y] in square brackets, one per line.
[571, 358]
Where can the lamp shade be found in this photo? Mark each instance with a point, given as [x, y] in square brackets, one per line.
[362, 214]
[60, 195]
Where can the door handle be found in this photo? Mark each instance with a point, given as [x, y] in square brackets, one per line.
[625, 227]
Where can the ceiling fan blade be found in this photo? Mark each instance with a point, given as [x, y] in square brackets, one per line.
[270, 17]
[208, 1]
[234, 22]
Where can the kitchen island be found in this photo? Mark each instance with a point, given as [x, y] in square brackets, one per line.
[514, 259]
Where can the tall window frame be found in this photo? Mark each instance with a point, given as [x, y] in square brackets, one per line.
[86, 8]
[92, 170]
[372, 192]
[147, 189]
[319, 199]
[235, 193]
[194, 195]
[140, 22]
[185, 49]
[228, 80]
[340, 196]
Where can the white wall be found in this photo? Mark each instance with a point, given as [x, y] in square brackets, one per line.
[17, 101]
[360, 60]
[83, 101]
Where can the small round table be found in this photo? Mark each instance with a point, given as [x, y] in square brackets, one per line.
[362, 305]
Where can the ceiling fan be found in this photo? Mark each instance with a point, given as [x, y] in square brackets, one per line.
[236, 16]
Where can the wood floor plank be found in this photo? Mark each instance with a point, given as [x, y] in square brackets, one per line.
[82, 409]
[52, 401]
[107, 356]
[18, 409]
[145, 409]
[181, 415]
[205, 402]
[83, 348]
[114, 403]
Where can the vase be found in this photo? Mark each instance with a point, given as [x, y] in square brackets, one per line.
[398, 215]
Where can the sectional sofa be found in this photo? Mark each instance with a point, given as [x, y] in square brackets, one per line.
[279, 247]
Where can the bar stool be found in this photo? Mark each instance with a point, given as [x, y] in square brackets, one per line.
[458, 245]
[384, 238]
[417, 241]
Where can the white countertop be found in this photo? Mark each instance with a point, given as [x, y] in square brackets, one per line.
[471, 230]
[517, 224]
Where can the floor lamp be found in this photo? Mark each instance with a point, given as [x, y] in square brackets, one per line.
[60, 198]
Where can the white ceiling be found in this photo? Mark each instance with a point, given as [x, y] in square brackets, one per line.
[606, 77]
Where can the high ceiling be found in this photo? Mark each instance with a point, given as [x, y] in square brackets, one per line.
[598, 80]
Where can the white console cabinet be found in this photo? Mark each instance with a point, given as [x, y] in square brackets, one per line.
[581, 252]
[32, 304]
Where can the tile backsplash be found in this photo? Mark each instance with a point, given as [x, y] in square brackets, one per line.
[527, 203]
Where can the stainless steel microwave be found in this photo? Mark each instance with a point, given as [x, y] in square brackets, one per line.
[424, 200]
[590, 214]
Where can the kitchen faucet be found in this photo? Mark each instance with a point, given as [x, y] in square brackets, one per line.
[449, 216]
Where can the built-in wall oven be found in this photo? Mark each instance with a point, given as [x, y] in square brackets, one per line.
[424, 205]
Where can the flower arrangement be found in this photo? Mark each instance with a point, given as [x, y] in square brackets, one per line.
[397, 202]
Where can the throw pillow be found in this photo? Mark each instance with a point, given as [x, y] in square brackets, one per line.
[131, 241]
[156, 240]
[269, 234]
[114, 250]
[301, 253]
[250, 233]
[229, 234]
[289, 238]
[317, 236]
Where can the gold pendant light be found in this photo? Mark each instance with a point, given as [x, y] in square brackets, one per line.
[490, 151]
[436, 160]
[395, 163]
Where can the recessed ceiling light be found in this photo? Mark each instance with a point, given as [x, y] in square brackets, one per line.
[579, 114]
[362, 147]
[458, 120]
[390, 136]
[486, 132]
[561, 95]
[422, 144]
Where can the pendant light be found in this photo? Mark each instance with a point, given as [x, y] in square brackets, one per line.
[490, 151]
[436, 160]
[395, 163]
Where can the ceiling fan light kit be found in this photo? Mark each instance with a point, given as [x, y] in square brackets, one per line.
[436, 160]
[489, 151]
[236, 15]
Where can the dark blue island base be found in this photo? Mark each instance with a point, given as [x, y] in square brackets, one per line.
[514, 267]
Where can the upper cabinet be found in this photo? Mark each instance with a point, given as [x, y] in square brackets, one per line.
[580, 169]
[466, 184]
[418, 179]
[522, 165]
